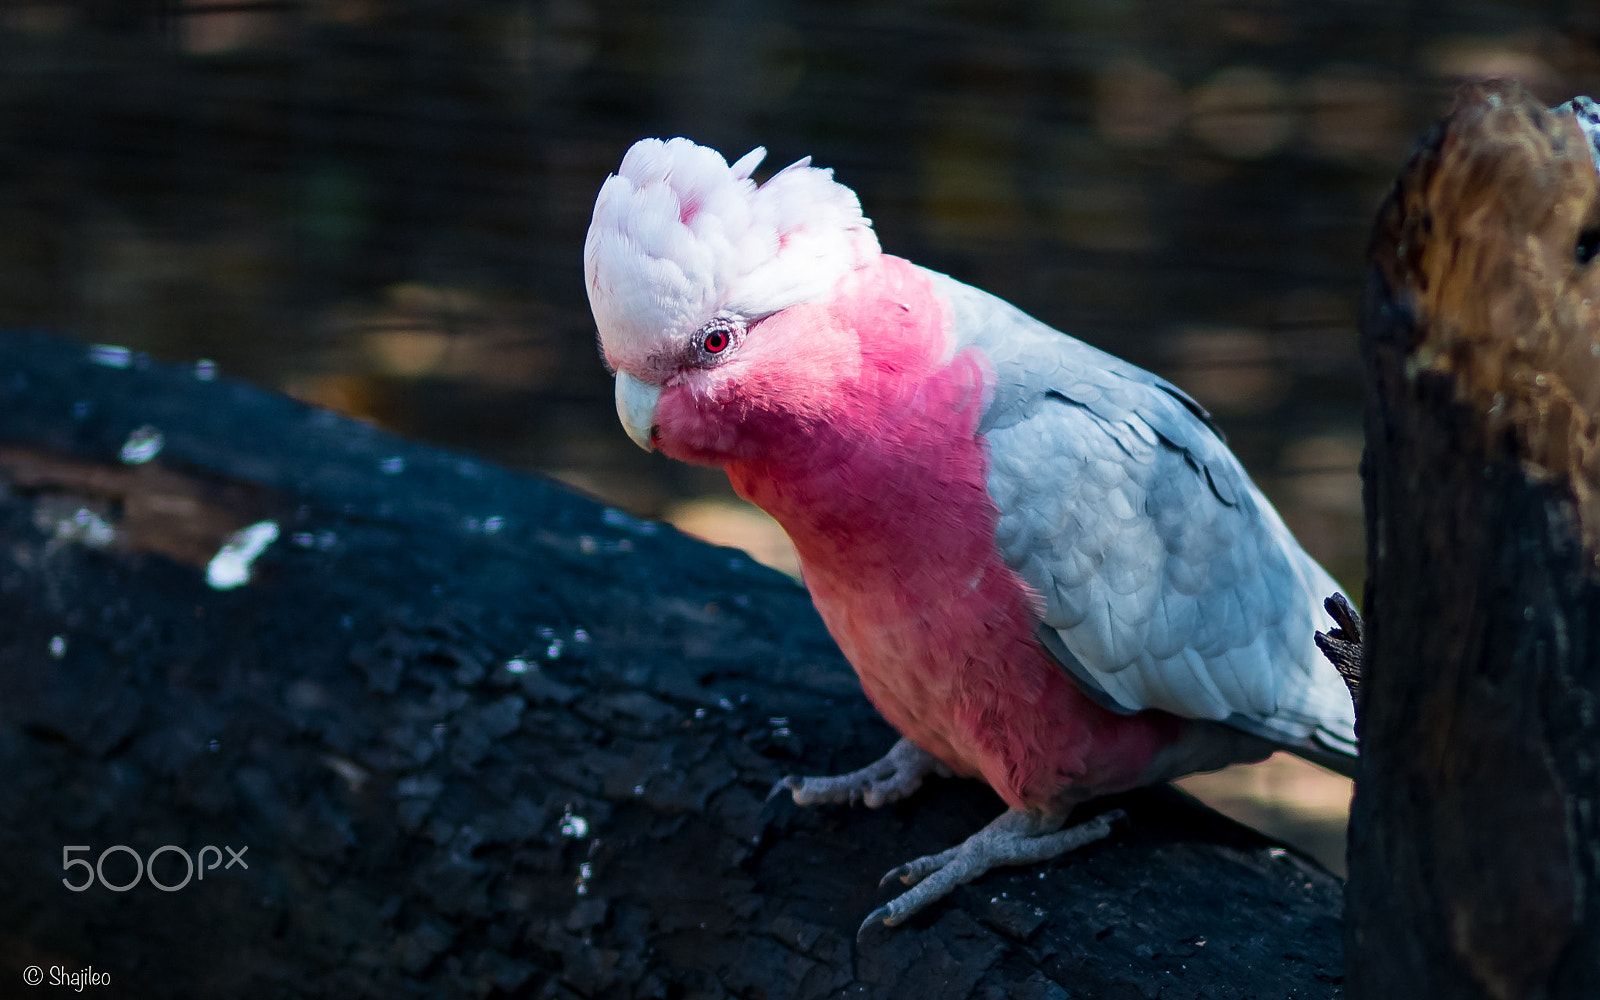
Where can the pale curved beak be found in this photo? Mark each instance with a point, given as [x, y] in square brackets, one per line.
[636, 408]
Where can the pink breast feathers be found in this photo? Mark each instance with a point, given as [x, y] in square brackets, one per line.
[888, 506]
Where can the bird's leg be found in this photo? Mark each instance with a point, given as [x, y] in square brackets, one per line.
[891, 778]
[1015, 838]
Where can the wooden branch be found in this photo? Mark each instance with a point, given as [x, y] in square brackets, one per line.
[1475, 834]
[482, 736]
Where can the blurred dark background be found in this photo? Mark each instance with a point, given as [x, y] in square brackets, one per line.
[379, 205]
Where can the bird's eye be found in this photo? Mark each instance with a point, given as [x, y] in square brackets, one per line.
[720, 335]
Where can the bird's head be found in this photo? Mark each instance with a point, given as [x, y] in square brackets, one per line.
[709, 291]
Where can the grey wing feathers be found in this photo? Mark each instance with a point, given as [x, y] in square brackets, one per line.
[1168, 580]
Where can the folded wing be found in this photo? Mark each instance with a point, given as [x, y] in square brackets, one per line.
[1168, 580]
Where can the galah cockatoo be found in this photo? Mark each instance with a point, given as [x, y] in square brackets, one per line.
[1043, 562]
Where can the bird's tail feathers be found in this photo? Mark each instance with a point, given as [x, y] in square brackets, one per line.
[1330, 750]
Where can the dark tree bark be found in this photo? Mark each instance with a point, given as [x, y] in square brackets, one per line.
[1475, 836]
[423, 820]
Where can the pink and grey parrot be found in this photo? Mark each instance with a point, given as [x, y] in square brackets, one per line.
[1043, 562]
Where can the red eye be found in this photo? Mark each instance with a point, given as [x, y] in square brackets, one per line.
[716, 341]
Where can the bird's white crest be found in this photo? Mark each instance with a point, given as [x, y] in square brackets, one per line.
[679, 236]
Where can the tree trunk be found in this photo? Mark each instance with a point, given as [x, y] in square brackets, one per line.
[1475, 837]
[481, 736]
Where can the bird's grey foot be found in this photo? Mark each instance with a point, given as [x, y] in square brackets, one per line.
[1015, 838]
[897, 774]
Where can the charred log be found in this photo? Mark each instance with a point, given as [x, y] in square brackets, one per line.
[481, 736]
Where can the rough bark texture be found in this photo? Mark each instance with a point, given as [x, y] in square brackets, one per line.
[1475, 837]
[422, 820]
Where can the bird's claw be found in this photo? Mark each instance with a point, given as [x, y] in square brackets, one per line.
[883, 914]
[896, 775]
[916, 870]
[1013, 839]
[787, 783]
